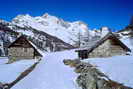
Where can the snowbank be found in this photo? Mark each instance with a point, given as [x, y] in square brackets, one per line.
[118, 68]
[3, 60]
[51, 73]
[127, 41]
[9, 72]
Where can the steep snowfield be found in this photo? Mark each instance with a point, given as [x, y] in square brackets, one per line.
[51, 73]
[66, 31]
[9, 72]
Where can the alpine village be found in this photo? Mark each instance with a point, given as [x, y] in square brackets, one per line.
[45, 51]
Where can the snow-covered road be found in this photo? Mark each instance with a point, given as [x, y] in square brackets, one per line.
[51, 73]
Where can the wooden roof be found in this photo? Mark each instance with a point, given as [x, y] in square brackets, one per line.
[27, 44]
[110, 35]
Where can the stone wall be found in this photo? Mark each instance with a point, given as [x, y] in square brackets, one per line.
[89, 77]
[107, 49]
[21, 53]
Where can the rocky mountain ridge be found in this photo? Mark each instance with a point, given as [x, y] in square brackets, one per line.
[44, 41]
[66, 31]
[51, 33]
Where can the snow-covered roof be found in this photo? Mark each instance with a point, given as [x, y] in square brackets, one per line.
[108, 36]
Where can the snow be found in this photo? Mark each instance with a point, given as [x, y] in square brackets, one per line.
[104, 31]
[118, 68]
[3, 60]
[28, 33]
[2, 52]
[51, 73]
[67, 31]
[9, 72]
[41, 52]
[127, 41]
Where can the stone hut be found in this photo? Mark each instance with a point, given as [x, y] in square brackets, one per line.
[22, 48]
[107, 46]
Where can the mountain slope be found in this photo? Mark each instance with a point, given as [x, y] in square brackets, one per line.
[9, 32]
[66, 31]
[50, 33]
[74, 33]
[127, 31]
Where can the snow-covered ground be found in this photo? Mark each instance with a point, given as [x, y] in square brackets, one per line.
[51, 73]
[118, 68]
[9, 72]
[3, 60]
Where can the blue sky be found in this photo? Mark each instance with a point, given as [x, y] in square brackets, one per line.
[115, 14]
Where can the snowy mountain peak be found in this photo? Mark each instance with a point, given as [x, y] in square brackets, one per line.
[23, 16]
[64, 30]
[45, 15]
[104, 30]
[22, 20]
[80, 22]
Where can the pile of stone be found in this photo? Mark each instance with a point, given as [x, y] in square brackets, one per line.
[3, 86]
[91, 78]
